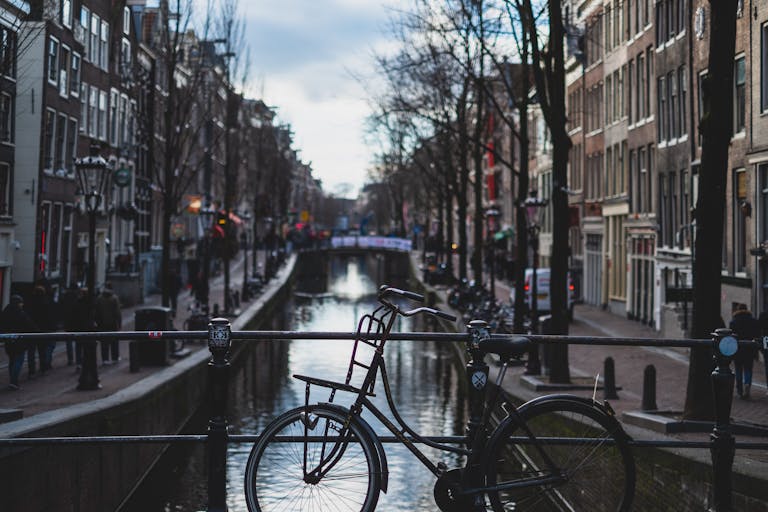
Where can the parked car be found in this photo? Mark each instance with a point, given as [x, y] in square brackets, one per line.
[543, 305]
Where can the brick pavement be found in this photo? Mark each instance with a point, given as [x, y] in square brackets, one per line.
[56, 388]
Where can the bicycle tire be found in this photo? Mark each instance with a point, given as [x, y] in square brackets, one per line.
[274, 477]
[600, 474]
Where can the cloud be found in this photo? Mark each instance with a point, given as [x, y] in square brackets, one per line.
[306, 54]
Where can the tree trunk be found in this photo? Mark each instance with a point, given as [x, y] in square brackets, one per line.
[715, 129]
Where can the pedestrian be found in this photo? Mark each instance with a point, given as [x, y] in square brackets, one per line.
[40, 310]
[15, 320]
[108, 318]
[746, 328]
[65, 316]
[81, 320]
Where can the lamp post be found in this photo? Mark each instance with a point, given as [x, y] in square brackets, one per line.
[532, 208]
[92, 172]
[207, 214]
[246, 216]
[491, 218]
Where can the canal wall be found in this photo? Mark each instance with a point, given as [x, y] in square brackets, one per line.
[100, 477]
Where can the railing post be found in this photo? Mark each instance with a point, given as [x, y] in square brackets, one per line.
[649, 389]
[723, 443]
[219, 343]
[609, 380]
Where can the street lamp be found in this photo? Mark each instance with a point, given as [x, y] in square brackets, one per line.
[491, 218]
[532, 205]
[206, 215]
[92, 173]
[245, 294]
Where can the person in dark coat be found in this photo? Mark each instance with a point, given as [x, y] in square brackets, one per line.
[763, 320]
[745, 327]
[65, 315]
[15, 320]
[40, 310]
[109, 318]
[81, 320]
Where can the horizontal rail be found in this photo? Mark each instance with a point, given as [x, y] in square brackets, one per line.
[253, 438]
[395, 336]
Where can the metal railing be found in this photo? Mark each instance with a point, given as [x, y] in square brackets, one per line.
[219, 338]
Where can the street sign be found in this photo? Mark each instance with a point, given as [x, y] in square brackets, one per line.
[122, 177]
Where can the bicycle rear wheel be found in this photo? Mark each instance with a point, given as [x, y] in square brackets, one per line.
[275, 478]
[592, 454]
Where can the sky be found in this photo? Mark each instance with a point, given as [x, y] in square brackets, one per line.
[304, 56]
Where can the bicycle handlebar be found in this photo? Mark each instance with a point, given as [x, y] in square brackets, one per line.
[431, 311]
[385, 290]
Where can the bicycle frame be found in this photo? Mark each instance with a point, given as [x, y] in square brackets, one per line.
[399, 428]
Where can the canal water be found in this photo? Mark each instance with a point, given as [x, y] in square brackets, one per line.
[427, 385]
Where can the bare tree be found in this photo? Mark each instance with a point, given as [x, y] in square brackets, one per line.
[715, 128]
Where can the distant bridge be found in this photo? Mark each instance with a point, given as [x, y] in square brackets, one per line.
[371, 243]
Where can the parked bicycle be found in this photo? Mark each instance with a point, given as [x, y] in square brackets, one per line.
[557, 452]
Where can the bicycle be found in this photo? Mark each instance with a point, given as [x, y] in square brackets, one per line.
[556, 452]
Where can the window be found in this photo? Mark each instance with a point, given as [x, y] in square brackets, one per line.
[648, 84]
[113, 100]
[660, 29]
[643, 180]
[93, 49]
[125, 56]
[682, 81]
[54, 250]
[739, 227]
[93, 108]
[50, 126]
[763, 171]
[74, 75]
[764, 67]
[53, 60]
[630, 75]
[665, 221]
[661, 100]
[63, 72]
[673, 112]
[5, 189]
[6, 117]
[641, 86]
[85, 22]
[71, 146]
[685, 210]
[103, 115]
[8, 40]
[680, 16]
[61, 141]
[702, 79]
[104, 46]
[608, 108]
[739, 105]
[126, 20]
[634, 201]
[83, 108]
[66, 13]
[45, 229]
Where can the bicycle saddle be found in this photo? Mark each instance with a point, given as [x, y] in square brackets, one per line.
[513, 347]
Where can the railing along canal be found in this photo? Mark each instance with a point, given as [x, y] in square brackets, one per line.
[219, 338]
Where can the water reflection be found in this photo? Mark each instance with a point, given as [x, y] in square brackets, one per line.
[426, 384]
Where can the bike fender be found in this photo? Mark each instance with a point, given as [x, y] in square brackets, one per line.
[366, 427]
[606, 410]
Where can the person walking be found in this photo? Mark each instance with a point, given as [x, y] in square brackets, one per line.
[14, 319]
[40, 310]
[81, 320]
[746, 328]
[763, 320]
[174, 287]
[109, 318]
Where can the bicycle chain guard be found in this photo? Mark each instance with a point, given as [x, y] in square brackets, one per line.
[446, 493]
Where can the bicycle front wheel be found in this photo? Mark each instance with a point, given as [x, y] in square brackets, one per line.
[293, 444]
[588, 449]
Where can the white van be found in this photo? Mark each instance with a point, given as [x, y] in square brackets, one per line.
[542, 291]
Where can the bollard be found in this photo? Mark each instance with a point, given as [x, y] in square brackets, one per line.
[649, 389]
[609, 380]
[723, 443]
[219, 343]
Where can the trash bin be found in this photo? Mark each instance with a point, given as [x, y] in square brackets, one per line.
[154, 352]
